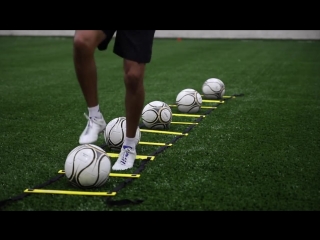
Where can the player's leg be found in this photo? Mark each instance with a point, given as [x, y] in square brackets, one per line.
[135, 46]
[135, 94]
[84, 46]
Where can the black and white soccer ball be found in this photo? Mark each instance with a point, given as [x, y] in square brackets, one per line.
[213, 88]
[115, 133]
[189, 101]
[87, 166]
[157, 115]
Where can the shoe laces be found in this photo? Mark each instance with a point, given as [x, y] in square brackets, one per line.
[125, 155]
[91, 120]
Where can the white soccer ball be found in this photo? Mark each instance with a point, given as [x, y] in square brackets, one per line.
[115, 133]
[189, 101]
[213, 88]
[157, 115]
[87, 166]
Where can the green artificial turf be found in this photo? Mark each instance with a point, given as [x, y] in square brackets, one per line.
[256, 152]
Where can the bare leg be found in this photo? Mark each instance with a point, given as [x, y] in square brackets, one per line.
[134, 99]
[85, 43]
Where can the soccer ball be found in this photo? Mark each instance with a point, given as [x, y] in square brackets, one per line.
[213, 88]
[157, 115]
[189, 101]
[87, 166]
[115, 133]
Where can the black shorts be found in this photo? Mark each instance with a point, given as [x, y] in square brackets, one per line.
[134, 45]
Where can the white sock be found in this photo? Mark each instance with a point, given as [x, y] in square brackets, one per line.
[131, 142]
[94, 112]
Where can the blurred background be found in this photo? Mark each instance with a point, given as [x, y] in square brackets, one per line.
[223, 34]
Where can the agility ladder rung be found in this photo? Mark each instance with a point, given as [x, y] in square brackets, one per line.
[224, 97]
[115, 155]
[156, 144]
[201, 106]
[212, 101]
[102, 194]
[114, 174]
[188, 123]
[163, 132]
[187, 115]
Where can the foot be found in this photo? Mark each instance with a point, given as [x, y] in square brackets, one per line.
[126, 158]
[92, 130]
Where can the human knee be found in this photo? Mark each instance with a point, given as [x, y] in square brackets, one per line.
[84, 42]
[133, 79]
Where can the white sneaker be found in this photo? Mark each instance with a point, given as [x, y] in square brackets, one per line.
[92, 130]
[126, 158]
